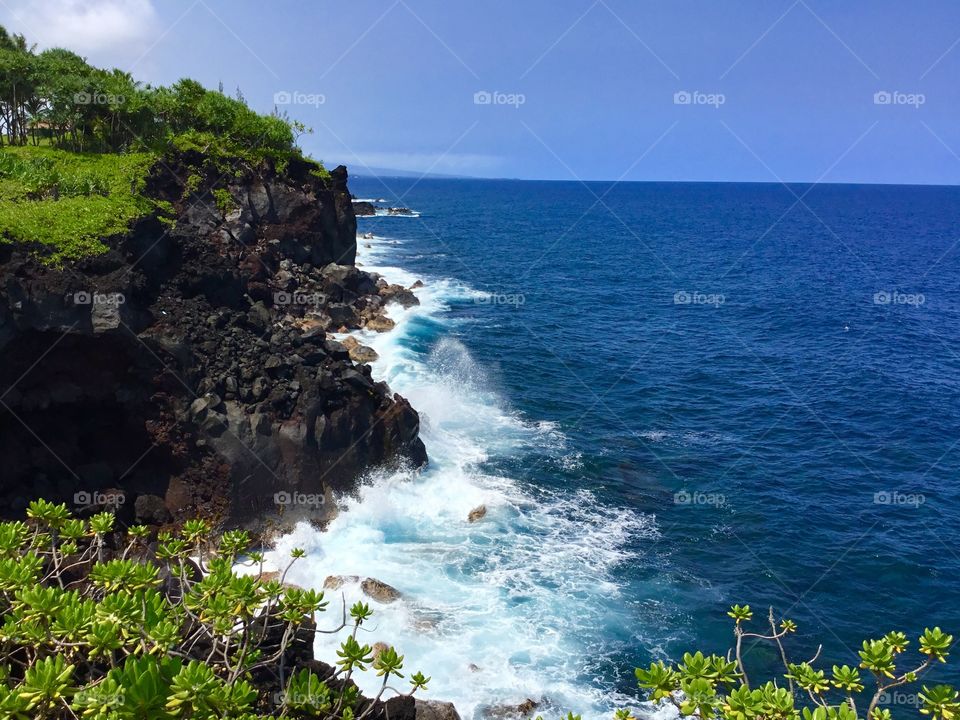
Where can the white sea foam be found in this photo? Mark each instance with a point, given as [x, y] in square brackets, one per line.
[516, 605]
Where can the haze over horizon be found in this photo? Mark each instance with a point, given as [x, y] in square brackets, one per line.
[786, 90]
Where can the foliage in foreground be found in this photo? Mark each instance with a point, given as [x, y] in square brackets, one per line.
[714, 686]
[105, 625]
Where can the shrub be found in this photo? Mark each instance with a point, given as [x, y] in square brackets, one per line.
[709, 686]
[106, 625]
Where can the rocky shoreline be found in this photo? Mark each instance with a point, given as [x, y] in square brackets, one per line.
[191, 371]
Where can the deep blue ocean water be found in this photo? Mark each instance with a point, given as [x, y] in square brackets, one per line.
[730, 396]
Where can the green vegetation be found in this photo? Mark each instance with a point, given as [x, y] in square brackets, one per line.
[57, 96]
[106, 625]
[716, 686]
[69, 202]
[77, 143]
[109, 625]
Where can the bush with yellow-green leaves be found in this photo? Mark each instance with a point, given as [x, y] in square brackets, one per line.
[717, 686]
[110, 625]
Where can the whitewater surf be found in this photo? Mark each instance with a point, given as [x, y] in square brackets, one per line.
[510, 607]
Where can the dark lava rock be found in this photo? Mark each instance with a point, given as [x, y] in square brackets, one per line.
[211, 388]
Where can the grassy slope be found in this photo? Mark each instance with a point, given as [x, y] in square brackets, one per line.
[68, 202]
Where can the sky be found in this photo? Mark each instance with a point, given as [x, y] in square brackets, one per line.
[730, 90]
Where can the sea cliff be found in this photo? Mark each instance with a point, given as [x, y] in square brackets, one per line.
[188, 369]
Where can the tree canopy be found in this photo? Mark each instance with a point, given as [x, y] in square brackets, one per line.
[56, 96]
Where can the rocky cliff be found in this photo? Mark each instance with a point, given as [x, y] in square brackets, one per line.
[189, 369]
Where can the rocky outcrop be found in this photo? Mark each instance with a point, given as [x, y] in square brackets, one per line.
[364, 208]
[359, 353]
[380, 591]
[335, 582]
[435, 710]
[523, 710]
[478, 513]
[188, 370]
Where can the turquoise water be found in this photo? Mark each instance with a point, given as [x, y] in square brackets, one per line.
[670, 398]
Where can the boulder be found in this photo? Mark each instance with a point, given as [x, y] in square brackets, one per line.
[380, 323]
[378, 647]
[359, 353]
[511, 712]
[478, 513]
[335, 582]
[151, 510]
[435, 710]
[380, 591]
[399, 294]
[364, 208]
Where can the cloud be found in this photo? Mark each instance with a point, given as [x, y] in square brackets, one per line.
[88, 27]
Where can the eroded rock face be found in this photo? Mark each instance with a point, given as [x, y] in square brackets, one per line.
[188, 370]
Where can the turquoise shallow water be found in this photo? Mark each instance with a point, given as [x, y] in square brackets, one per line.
[671, 398]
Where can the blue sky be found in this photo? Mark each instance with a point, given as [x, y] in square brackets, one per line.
[757, 90]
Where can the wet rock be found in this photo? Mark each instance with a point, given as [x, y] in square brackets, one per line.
[478, 513]
[359, 353]
[380, 591]
[380, 323]
[335, 582]
[399, 294]
[511, 712]
[435, 710]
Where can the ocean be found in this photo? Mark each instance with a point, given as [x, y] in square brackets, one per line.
[670, 397]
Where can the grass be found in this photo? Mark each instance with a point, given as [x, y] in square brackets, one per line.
[70, 202]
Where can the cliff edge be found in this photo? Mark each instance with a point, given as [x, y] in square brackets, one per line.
[188, 369]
